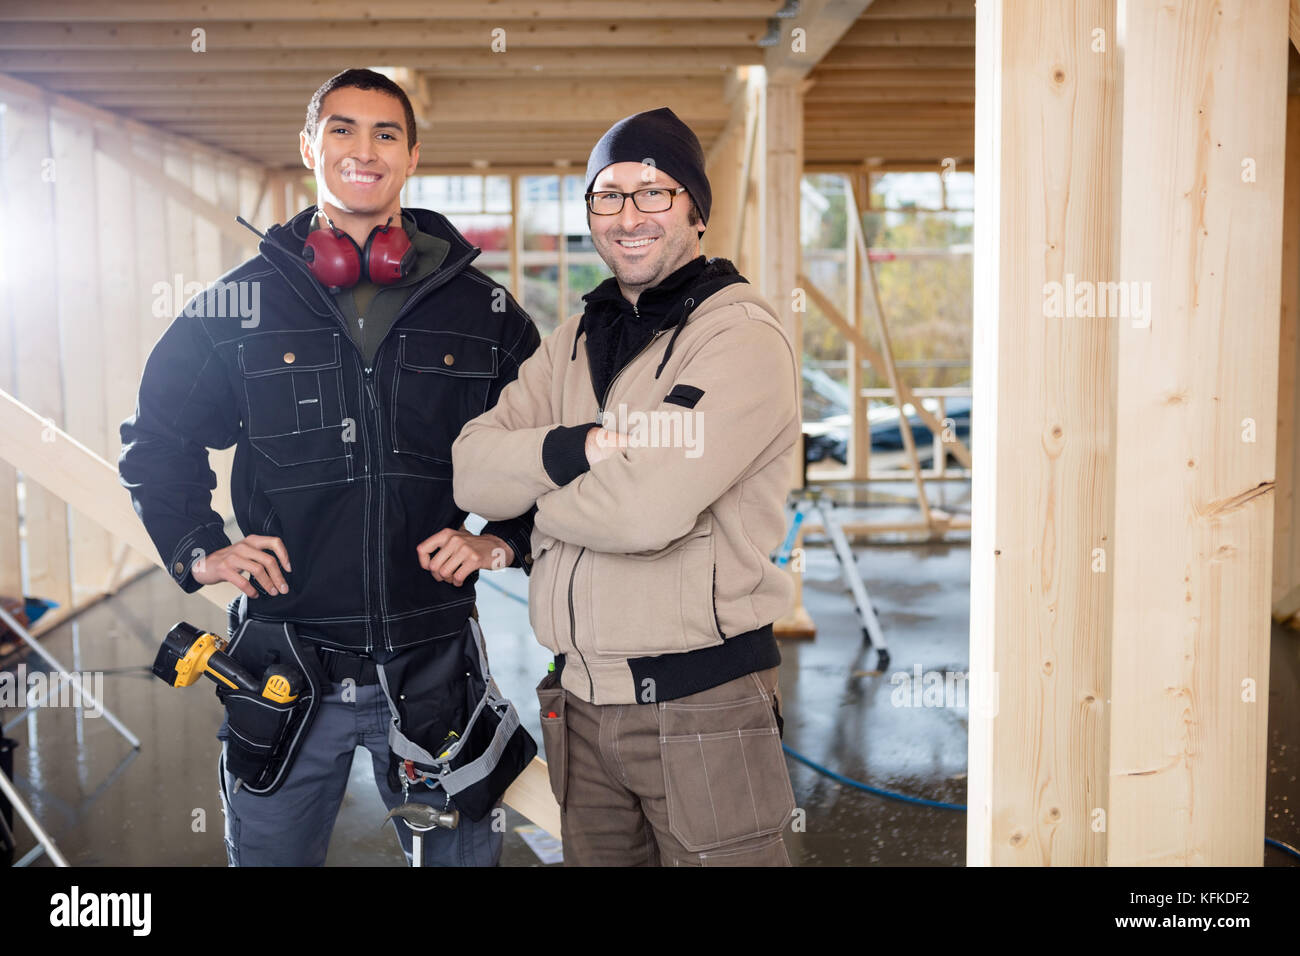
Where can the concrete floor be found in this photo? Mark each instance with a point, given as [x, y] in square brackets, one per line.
[109, 805]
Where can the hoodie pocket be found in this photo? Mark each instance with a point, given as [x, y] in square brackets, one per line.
[661, 602]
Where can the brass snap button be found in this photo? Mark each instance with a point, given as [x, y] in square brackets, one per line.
[178, 567]
[449, 359]
[289, 358]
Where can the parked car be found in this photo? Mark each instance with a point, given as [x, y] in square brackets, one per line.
[827, 422]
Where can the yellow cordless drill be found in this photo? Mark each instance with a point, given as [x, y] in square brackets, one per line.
[188, 653]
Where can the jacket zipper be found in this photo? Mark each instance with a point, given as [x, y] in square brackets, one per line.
[372, 475]
[600, 414]
[573, 631]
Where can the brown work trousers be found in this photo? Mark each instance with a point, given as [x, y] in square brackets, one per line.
[697, 781]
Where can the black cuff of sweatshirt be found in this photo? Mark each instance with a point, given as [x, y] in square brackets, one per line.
[564, 452]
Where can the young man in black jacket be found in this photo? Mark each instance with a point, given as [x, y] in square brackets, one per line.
[342, 397]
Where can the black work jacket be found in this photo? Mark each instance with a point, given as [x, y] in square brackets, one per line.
[350, 466]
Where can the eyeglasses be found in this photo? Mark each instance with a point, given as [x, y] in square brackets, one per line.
[610, 203]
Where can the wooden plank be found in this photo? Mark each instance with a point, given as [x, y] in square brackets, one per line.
[1286, 551]
[201, 11]
[1293, 23]
[227, 198]
[81, 323]
[12, 86]
[11, 562]
[150, 252]
[859, 407]
[928, 9]
[891, 372]
[872, 355]
[118, 292]
[893, 58]
[1204, 92]
[822, 24]
[956, 32]
[209, 265]
[1040, 616]
[77, 475]
[203, 208]
[30, 256]
[424, 33]
[453, 99]
[580, 61]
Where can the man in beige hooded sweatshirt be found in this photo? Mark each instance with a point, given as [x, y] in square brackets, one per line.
[654, 433]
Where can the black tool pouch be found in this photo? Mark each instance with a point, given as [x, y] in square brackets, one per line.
[451, 722]
[263, 736]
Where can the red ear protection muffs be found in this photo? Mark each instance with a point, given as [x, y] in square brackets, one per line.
[336, 260]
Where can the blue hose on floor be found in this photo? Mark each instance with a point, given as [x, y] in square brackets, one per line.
[939, 804]
[887, 794]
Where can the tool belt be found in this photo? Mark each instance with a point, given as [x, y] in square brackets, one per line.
[263, 736]
[451, 728]
[338, 666]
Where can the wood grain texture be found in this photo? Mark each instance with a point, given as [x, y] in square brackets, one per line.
[1203, 142]
[1047, 127]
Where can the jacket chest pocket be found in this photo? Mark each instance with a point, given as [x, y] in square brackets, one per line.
[293, 394]
[441, 382]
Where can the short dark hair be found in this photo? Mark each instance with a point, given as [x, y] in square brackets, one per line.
[361, 80]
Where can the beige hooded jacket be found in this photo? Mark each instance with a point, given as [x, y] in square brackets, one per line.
[643, 567]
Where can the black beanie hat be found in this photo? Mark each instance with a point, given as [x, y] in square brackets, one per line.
[657, 137]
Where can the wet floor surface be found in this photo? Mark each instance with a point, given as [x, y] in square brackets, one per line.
[107, 804]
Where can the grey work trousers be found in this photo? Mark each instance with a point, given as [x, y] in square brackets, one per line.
[292, 826]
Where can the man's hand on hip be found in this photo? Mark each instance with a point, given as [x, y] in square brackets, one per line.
[453, 555]
[249, 555]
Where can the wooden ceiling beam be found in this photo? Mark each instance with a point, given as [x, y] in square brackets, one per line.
[425, 33]
[886, 78]
[628, 61]
[76, 83]
[847, 96]
[926, 58]
[473, 111]
[215, 11]
[823, 23]
[920, 9]
[930, 33]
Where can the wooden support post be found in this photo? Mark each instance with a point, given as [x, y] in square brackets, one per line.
[876, 358]
[891, 372]
[1046, 142]
[81, 320]
[152, 263]
[516, 241]
[860, 444]
[782, 171]
[29, 178]
[1204, 106]
[279, 208]
[1286, 549]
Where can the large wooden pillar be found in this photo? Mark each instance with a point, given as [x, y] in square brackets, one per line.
[1046, 141]
[1126, 327]
[1201, 223]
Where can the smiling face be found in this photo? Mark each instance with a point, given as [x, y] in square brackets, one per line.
[360, 157]
[642, 248]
